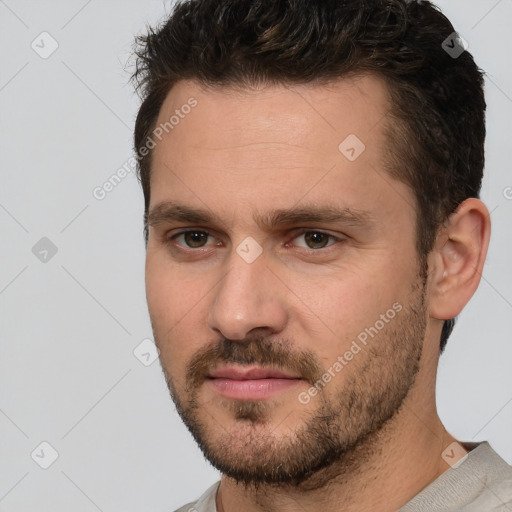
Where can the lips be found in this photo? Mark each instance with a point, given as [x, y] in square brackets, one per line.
[251, 383]
[249, 373]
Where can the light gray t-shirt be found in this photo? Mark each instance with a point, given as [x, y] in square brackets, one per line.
[481, 483]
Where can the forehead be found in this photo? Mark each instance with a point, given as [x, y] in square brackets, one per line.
[239, 149]
[287, 113]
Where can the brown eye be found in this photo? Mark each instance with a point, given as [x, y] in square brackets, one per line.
[195, 239]
[316, 239]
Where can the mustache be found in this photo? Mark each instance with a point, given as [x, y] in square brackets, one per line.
[259, 351]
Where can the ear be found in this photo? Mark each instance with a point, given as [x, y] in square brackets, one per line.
[457, 259]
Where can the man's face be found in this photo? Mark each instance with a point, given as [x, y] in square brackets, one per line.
[282, 278]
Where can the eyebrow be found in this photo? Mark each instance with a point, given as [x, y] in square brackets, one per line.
[169, 211]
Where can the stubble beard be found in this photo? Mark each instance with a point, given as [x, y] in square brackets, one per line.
[338, 437]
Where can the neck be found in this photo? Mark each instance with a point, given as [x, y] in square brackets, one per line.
[383, 473]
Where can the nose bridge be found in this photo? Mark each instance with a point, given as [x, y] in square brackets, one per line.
[246, 298]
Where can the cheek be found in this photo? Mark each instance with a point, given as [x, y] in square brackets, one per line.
[170, 295]
[167, 306]
[162, 297]
[178, 309]
[337, 309]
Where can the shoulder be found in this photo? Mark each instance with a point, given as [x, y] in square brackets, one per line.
[190, 507]
[482, 482]
[206, 503]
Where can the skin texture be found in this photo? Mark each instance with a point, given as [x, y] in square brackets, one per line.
[239, 156]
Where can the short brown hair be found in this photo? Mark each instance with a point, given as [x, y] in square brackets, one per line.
[437, 127]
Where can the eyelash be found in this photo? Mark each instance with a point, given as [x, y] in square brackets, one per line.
[171, 240]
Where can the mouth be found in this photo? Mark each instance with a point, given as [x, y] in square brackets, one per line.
[251, 382]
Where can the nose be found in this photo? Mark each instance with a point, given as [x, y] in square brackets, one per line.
[248, 298]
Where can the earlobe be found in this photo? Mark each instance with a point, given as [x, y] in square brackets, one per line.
[458, 259]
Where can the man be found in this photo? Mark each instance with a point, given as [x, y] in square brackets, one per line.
[311, 172]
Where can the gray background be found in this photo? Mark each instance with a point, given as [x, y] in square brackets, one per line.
[70, 323]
